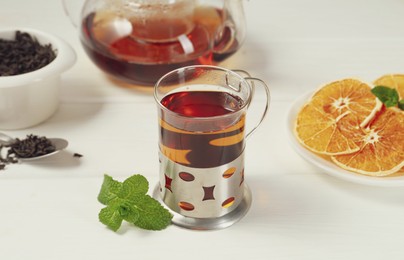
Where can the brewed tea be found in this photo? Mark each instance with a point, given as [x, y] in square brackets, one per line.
[202, 148]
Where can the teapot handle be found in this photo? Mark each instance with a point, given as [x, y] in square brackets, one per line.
[72, 9]
[224, 38]
[231, 33]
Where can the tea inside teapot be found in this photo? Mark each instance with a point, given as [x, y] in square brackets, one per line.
[138, 41]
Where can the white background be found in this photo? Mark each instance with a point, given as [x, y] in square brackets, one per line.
[49, 209]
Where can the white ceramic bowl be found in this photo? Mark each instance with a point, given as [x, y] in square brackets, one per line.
[31, 98]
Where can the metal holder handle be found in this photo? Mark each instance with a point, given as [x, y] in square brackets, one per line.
[266, 109]
[268, 97]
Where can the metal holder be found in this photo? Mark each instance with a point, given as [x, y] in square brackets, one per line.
[203, 198]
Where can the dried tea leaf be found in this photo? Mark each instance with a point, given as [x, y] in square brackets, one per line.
[23, 54]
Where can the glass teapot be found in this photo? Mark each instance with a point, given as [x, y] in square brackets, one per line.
[138, 41]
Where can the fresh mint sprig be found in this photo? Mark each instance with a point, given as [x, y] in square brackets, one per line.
[128, 201]
[388, 96]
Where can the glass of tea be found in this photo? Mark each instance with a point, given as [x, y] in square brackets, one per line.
[202, 135]
[138, 41]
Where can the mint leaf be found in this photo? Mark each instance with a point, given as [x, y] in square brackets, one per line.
[116, 211]
[110, 190]
[127, 211]
[129, 201]
[389, 96]
[132, 214]
[401, 104]
[111, 217]
[135, 186]
[152, 215]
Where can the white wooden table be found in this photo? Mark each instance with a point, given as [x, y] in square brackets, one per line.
[49, 209]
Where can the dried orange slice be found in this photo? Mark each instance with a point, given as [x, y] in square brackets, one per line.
[320, 132]
[393, 81]
[348, 95]
[328, 123]
[382, 146]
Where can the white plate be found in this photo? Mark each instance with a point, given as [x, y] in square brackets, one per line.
[327, 166]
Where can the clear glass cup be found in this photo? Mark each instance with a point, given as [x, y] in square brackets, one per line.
[202, 135]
